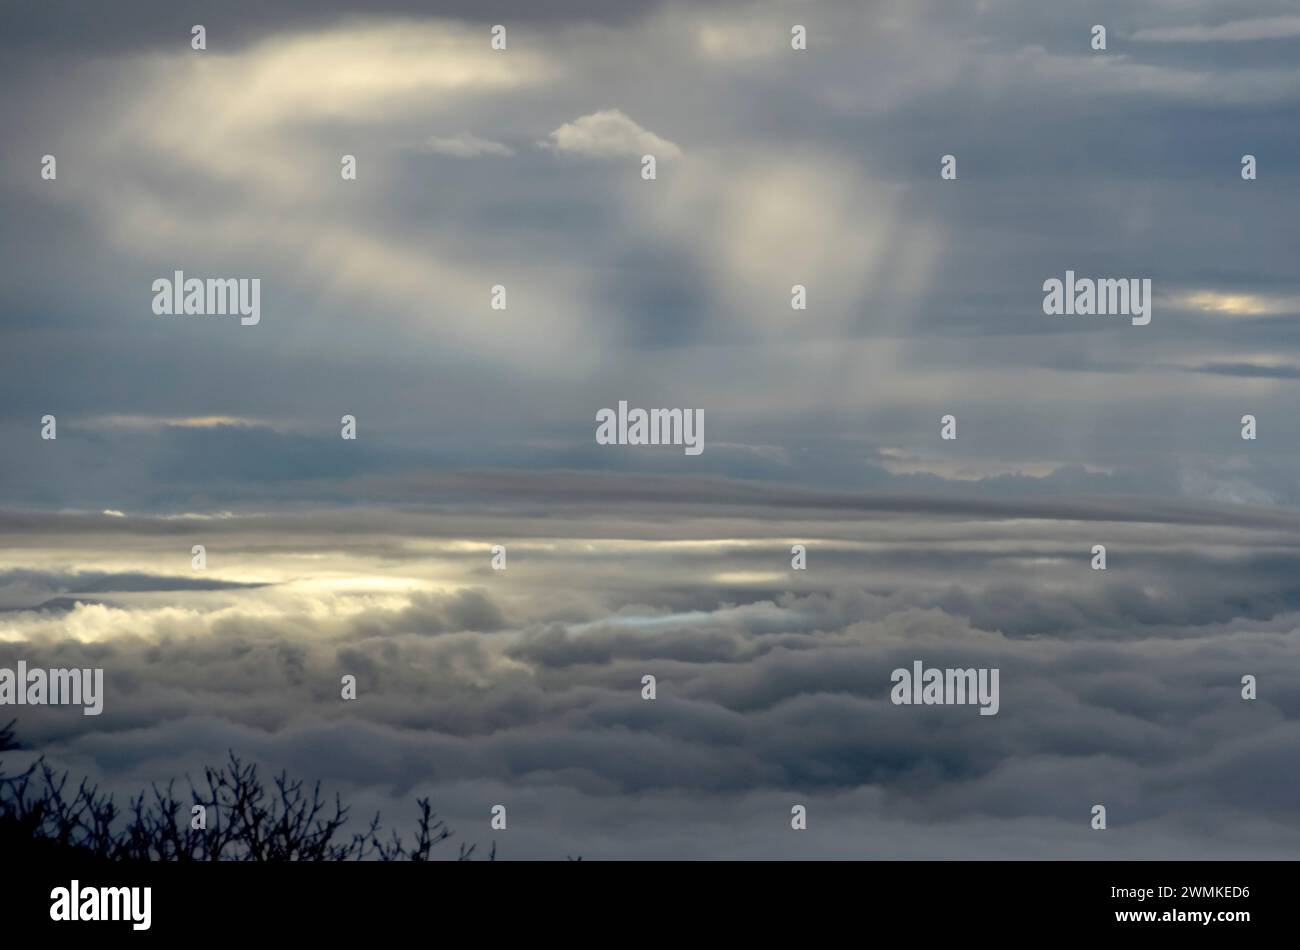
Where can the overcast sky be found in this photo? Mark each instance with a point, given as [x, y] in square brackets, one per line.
[476, 426]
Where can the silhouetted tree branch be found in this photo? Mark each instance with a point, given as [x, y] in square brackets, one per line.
[245, 820]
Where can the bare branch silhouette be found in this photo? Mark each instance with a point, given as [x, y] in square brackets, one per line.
[243, 820]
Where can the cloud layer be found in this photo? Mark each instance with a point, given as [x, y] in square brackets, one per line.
[523, 686]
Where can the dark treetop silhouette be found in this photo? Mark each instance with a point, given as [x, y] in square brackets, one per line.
[42, 818]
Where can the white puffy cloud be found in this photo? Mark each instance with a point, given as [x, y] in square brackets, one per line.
[608, 134]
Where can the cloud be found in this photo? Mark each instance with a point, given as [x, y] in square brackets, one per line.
[915, 300]
[1258, 28]
[44, 589]
[608, 134]
[1239, 304]
[525, 687]
[1125, 80]
[160, 422]
[727, 40]
[241, 22]
[1258, 370]
[292, 99]
[466, 145]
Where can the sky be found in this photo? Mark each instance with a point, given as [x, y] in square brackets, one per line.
[475, 426]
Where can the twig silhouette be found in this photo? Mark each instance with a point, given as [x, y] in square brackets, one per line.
[243, 820]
